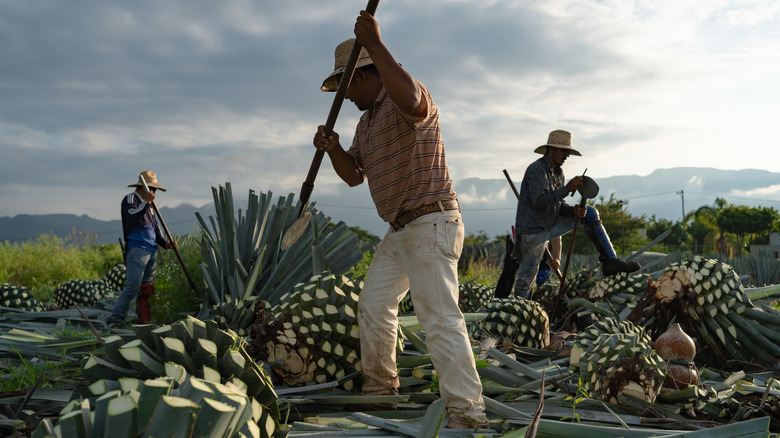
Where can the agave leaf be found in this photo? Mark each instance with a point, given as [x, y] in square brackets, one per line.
[243, 260]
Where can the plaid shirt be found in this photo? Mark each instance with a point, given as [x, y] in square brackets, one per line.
[541, 201]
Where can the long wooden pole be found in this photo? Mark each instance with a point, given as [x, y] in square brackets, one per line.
[346, 77]
[546, 249]
[169, 237]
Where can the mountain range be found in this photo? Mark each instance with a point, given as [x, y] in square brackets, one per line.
[488, 204]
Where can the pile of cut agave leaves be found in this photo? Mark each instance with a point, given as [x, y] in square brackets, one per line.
[557, 384]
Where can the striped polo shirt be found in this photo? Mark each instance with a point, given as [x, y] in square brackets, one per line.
[401, 156]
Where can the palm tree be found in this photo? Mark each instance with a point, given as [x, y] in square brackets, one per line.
[705, 216]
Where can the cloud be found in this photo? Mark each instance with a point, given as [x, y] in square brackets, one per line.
[204, 92]
[769, 191]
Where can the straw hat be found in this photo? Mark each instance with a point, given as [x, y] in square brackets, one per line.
[558, 139]
[342, 55]
[150, 178]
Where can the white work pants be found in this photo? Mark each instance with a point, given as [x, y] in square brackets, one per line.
[423, 257]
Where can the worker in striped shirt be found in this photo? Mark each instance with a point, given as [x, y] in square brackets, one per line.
[398, 148]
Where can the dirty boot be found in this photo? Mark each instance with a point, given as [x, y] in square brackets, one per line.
[616, 266]
[459, 420]
[142, 306]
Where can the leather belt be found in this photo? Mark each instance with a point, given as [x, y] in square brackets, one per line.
[404, 217]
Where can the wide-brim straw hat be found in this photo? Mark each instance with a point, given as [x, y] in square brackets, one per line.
[151, 180]
[342, 56]
[558, 139]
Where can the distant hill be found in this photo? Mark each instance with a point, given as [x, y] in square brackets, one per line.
[180, 220]
[488, 204]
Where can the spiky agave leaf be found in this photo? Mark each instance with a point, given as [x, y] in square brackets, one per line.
[244, 262]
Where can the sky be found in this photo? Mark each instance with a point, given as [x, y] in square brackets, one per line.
[92, 92]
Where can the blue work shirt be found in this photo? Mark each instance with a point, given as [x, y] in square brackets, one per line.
[139, 224]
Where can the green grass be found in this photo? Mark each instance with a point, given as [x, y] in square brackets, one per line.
[45, 262]
[174, 297]
[48, 260]
[21, 374]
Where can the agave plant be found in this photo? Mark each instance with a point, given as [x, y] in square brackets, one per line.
[169, 406]
[186, 347]
[516, 321]
[244, 261]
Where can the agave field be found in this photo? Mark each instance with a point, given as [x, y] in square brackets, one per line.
[265, 343]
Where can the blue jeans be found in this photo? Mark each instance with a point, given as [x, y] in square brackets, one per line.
[140, 268]
[531, 249]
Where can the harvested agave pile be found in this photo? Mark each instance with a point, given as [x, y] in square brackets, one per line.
[708, 300]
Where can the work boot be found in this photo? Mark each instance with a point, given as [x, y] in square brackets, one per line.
[610, 263]
[459, 420]
[142, 306]
[615, 266]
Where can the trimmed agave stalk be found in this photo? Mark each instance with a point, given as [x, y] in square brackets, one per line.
[517, 321]
[474, 296]
[116, 277]
[312, 336]
[587, 336]
[18, 297]
[615, 365]
[165, 407]
[243, 260]
[471, 298]
[186, 347]
[709, 301]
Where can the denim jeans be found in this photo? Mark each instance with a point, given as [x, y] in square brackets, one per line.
[422, 256]
[531, 249]
[140, 268]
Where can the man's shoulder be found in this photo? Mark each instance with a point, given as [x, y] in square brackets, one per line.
[536, 165]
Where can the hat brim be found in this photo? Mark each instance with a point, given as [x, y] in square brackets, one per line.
[543, 149]
[331, 84]
[150, 185]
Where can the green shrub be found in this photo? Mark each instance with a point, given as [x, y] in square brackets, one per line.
[174, 296]
[49, 260]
